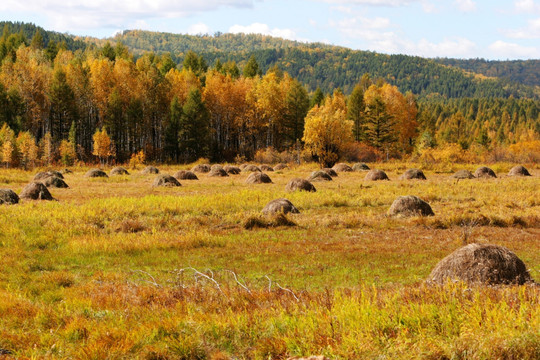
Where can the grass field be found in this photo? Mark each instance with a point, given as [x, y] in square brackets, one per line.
[118, 269]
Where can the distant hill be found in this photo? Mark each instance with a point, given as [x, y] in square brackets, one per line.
[327, 66]
[526, 72]
[29, 30]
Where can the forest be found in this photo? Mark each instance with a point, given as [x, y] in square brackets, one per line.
[59, 95]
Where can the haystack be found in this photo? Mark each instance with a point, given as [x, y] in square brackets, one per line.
[280, 206]
[298, 184]
[519, 170]
[484, 172]
[463, 174]
[150, 170]
[218, 172]
[45, 174]
[66, 171]
[53, 181]
[410, 205]
[232, 170]
[360, 167]
[251, 168]
[330, 172]
[35, 191]
[243, 166]
[119, 170]
[258, 178]
[481, 264]
[265, 167]
[95, 173]
[375, 175]
[8, 196]
[201, 168]
[319, 175]
[280, 166]
[342, 167]
[165, 180]
[411, 174]
[216, 166]
[185, 175]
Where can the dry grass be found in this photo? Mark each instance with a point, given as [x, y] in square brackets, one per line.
[119, 269]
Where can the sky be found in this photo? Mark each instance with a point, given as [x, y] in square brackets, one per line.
[489, 29]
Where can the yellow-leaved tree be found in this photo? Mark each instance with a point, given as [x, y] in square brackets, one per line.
[102, 145]
[27, 148]
[327, 130]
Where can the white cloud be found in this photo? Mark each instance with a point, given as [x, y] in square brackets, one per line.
[505, 50]
[526, 6]
[465, 6]
[264, 29]
[392, 3]
[531, 31]
[83, 14]
[429, 7]
[199, 29]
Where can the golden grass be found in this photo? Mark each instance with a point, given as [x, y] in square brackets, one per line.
[119, 269]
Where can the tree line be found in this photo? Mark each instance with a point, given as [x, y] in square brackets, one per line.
[60, 100]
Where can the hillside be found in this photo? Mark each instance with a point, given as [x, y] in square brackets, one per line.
[326, 66]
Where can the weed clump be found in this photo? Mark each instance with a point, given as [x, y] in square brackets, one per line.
[232, 170]
[265, 167]
[360, 167]
[519, 170]
[251, 168]
[119, 170]
[411, 174]
[166, 180]
[257, 221]
[201, 168]
[150, 170]
[481, 264]
[342, 167]
[53, 181]
[280, 166]
[463, 174]
[96, 173]
[320, 175]
[484, 172]
[185, 175]
[217, 172]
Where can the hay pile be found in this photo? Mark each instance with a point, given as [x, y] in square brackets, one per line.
[342, 167]
[251, 168]
[319, 175]
[45, 174]
[185, 175]
[258, 178]
[360, 167]
[519, 170]
[484, 172]
[298, 184]
[150, 170]
[95, 173]
[280, 166]
[201, 168]
[35, 191]
[410, 205]
[411, 174]
[481, 264]
[165, 180]
[232, 170]
[330, 172]
[8, 196]
[119, 171]
[217, 172]
[463, 174]
[282, 205]
[66, 171]
[375, 175]
[53, 181]
[265, 167]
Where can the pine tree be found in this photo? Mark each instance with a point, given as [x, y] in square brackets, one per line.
[194, 127]
[252, 68]
[379, 131]
[317, 98]
[172, 130]
[355, 111]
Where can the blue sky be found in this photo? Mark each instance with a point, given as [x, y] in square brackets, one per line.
[431, 28]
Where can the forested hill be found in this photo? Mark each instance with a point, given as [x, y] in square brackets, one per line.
[317, 64]
[526, 72]
[326, 66]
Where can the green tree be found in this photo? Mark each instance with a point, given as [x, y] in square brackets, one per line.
[194, 127]
[172, 130]
[252, 68]
[379, 131]
[63, 110]
[296, 107]
[317, 98]
[37, 40]
[355, 111]
[108, 52]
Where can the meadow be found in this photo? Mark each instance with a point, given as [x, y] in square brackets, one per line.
[118, 269]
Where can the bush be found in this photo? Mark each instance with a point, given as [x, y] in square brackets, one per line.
[361, 152]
